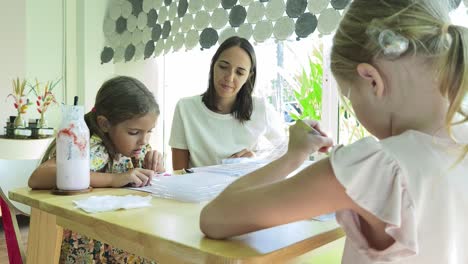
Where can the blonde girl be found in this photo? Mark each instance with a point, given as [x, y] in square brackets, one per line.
[400, 196]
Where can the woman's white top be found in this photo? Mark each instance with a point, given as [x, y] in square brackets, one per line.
[410, 182]
[211, 137]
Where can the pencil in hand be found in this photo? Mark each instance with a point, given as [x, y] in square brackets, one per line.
[308, 128]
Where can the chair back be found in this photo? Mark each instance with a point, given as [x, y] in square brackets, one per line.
[15, 248]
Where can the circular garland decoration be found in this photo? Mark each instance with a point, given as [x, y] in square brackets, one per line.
[142, 29]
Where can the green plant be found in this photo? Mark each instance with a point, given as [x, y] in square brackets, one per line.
[308, 91]
[350, 128]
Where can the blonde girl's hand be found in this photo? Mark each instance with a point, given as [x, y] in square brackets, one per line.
[245, 153]
[306, 137]
[135, 177]
[154, 161]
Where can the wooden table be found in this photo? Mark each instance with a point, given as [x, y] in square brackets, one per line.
[167, 232]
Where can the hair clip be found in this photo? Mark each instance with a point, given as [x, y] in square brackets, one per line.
[393, 45]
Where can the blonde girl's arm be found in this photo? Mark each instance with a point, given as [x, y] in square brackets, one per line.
[314, 191]
[264, 198]
[180, 159]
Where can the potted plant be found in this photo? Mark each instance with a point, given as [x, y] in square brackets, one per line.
[44, 98]
[20, 102]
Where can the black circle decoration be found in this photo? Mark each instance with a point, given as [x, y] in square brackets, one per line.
[208, 38]
[137, 7]
[264, 1]
[120, 25]
[182, 8]
[152, 18]
[167, 2]
[339, 4]
[129, 52]
[106, 55]
[149, 49]
[156, 32]
[305, 25]
[295, 8]
[237, 16]
[166, 29]
[228, 4]
[454, 4]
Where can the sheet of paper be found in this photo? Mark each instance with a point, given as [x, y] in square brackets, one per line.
[205, 183]
[192, 187]
[104, 203]
[233, 169]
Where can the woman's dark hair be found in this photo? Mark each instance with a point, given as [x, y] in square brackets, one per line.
[119, 99]
[243, 106]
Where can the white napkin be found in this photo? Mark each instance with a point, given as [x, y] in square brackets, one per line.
[104, 203]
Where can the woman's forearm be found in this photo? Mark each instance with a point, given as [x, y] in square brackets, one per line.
[180, 159]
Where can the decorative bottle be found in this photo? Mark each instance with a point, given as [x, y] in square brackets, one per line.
[73, 150]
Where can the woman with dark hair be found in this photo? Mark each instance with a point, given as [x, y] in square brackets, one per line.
[225, 121]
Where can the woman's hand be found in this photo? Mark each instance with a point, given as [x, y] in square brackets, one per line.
[245, 153]
[154, 161]
[136, 177]
[306, 137]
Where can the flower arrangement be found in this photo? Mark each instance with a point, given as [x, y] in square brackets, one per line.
[44, 98]
[20, 102]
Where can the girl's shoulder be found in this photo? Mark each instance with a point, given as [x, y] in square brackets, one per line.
[95, 140]
[99, 156]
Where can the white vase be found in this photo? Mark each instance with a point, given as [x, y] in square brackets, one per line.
[73, 172]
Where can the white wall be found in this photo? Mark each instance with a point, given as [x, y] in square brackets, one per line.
[31, 48]
[44, 50]
[12, 55]
[86, 17]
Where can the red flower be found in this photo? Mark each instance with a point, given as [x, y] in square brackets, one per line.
[38, 104]
[16, 106]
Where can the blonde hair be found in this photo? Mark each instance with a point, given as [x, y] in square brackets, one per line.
[426, 26]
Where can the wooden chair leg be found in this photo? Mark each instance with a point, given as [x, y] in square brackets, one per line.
[12, 235]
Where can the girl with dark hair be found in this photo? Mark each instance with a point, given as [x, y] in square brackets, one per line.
[120, 124]
[225, 121]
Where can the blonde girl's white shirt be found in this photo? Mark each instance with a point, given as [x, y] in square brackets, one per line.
[211, 137]
[409, 183]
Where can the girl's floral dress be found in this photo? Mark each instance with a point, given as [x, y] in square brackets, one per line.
[80, 249]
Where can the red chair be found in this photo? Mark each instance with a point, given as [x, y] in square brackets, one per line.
[15, 248]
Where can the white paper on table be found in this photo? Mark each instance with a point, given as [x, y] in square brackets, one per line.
[191, 187]
[205, 183]
[234, 168]
[104, 203]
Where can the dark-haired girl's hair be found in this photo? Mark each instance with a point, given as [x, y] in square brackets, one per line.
[119, 99]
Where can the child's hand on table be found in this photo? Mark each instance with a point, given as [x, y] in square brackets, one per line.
[135, 177]
[245, 153]
[154, 161]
